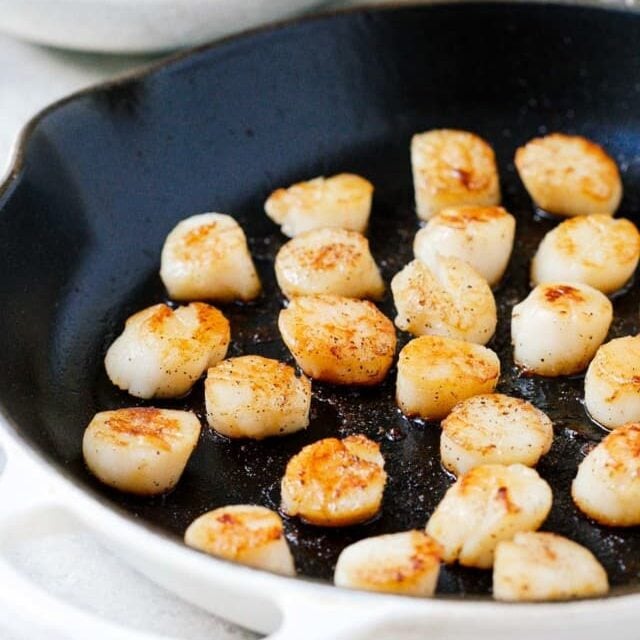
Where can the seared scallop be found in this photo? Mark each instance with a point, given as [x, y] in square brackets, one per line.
[445, 298]
[333, 261]
[537, 566]
[487, 505]
[569, 175]
[597, 250]
[256, 397]
[436, 373]
[342, 201]
[557, 329]
[206, 257]
[243, 533]
[607, 486]
[494, 429]
[335, 483]
[140, 450]
[481, 236]
[339, 340]
[452, 168]
[406, 563]
[612, 383]
[162, 352]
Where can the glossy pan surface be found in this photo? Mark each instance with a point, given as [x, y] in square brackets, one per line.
[107, 174]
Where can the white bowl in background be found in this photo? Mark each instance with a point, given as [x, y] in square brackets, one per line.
[137, 26]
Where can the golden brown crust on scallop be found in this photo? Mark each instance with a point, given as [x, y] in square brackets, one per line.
[400, 574]
[460, 217]
[328, 261]
[348, 189]
[256, 397]
[339, 340]
[452, 168]
[494, 428]
[561, 293]
[607, 485]
[541, 566]
[230, 532]
[623, 445]
[435, 373]
[145, 423]
[335, 482]
[342, 201]
[140, 450]
[206, 257]
[569, 175]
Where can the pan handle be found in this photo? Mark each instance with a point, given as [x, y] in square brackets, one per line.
[31, 507]
[331, 618]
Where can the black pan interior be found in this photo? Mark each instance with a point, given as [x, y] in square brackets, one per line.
[107, 175]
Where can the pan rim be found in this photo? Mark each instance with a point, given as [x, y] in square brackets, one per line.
[468, 605]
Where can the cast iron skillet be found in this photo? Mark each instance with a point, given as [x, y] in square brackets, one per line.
[108, 173]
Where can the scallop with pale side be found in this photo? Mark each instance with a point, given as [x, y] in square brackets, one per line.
[558, 328]
[435, 373]
[452, 168]
[607, 485]
[612, 383]
[342, 201]
[481, 236]
[540, 566]
[494, 429]
[339, 340]
[243, 533]
[331, 261]
[403, 563]
[487, 505]
[256, 397]
[206, 257]
[162, 352]
[335, 483]
[569, 175]
[447, 297]
[140, 450]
